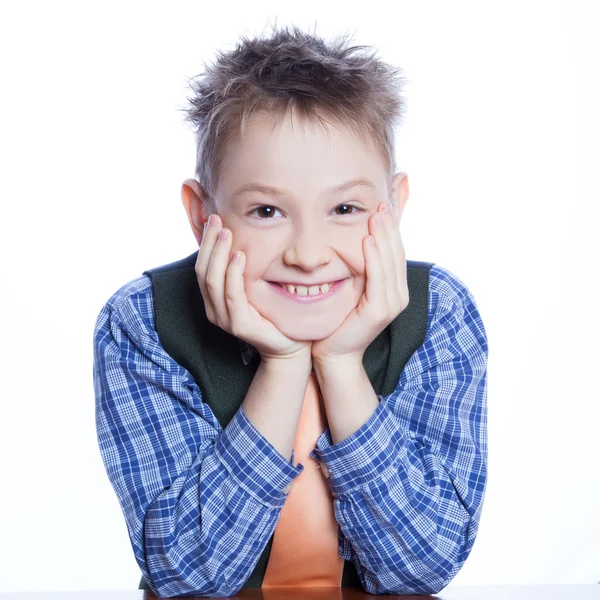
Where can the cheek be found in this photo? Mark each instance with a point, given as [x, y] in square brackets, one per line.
[255, 270]
[356, 263]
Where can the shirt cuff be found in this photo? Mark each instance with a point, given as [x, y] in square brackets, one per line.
[364, 456]
[257, 466]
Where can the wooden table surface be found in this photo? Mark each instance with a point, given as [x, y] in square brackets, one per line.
[475, 592]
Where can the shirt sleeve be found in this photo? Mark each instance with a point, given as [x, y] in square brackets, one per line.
[200, 502]
[409, 485]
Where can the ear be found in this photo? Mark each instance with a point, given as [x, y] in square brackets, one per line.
[193, 198]
[399, 194]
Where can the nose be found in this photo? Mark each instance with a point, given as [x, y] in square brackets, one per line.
[307, 248]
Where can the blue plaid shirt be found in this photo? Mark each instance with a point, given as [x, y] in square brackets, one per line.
[201, 502]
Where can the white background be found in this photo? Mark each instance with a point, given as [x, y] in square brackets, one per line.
[500, 142]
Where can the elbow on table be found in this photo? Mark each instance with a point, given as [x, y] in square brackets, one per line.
[192, 585]
[181, 589]
[427, 583]
[429, 570]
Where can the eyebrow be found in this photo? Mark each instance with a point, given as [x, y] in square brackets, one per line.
[273, 191]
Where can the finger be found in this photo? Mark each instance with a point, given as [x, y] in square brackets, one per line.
[395, 265]
[215, 276]
[382, 235]
[396, 240]
[399, 253]
[207, 245]
[235, 295]
[375, 286]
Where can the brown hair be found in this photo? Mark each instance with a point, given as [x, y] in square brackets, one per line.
[292, 71]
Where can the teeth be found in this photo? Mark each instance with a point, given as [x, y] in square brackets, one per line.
[313, 290]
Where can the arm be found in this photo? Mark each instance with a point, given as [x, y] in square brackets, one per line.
[274, 399]
[416, 470]
[197, 514]
[349, 397]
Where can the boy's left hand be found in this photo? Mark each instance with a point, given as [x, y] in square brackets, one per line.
[385, 296]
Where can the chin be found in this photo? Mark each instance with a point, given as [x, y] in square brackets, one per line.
[306, 332]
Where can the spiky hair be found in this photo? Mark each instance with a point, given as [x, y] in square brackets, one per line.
[292, 71]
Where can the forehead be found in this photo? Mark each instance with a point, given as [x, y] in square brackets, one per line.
[293, 130]
[291, 153]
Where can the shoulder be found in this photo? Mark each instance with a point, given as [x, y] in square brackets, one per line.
[446, 287]
[451, 303]
[136, 288]
[132, 305]
[453, 312]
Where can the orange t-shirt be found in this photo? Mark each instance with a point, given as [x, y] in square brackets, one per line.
[304, 552]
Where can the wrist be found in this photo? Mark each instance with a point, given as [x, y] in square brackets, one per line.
[301, 359]
[323, 363]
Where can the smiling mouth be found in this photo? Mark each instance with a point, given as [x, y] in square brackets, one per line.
[303, 290]
[307, 292]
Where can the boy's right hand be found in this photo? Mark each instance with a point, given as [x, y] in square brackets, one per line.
[222, 285]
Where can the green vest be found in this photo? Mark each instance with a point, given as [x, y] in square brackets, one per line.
[213, 356]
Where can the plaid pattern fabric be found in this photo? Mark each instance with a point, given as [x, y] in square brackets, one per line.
[201, 502]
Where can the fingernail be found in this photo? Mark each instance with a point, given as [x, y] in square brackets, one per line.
[212, 220]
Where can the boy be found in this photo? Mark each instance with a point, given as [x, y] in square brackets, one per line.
[205, 369]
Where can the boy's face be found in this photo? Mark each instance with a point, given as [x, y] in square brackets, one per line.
[305, 235]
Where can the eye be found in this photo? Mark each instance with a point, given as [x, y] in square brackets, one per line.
[272, 208]
[358, 208]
